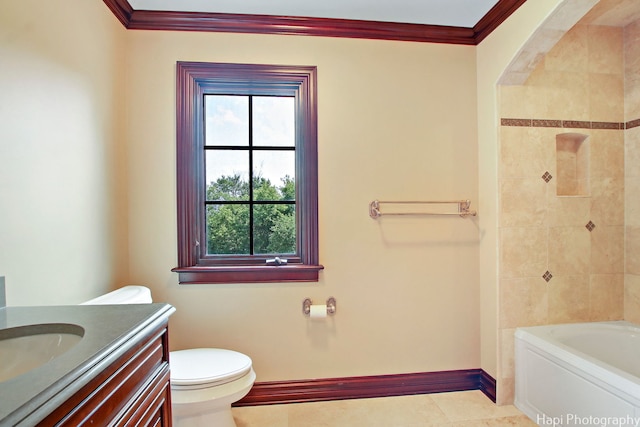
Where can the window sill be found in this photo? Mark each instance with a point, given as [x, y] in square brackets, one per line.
[247, 274]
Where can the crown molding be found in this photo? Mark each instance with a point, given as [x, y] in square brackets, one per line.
[121, 9]
[327, 27]
[496, 16]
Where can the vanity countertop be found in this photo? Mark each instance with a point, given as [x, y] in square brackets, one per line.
[108, 329]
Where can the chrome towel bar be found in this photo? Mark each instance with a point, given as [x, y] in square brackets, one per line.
[463, 208]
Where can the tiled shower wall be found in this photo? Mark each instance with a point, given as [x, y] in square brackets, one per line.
[562, 258]
[632, 172]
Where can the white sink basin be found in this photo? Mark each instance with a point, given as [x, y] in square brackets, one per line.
[28, 347]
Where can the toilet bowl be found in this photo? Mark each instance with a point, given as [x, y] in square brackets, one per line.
[204, 381]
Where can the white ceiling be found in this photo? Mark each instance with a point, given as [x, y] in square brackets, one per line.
[456, 13]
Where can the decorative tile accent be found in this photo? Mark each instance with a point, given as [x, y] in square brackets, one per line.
[546, 123]
[547, 177]
[547, 276]
[607, 125]
[590, 226]
[571, 124]
[576, 124]
[633, 124]
[515, 122]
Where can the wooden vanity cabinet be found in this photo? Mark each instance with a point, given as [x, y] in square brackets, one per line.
[131, 391]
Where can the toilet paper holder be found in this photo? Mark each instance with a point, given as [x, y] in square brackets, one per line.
[331, 306]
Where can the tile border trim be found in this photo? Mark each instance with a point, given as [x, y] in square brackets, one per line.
[633, 123]
[317, 390]
[574, 124]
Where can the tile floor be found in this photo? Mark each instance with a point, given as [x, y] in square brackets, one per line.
[458, 409]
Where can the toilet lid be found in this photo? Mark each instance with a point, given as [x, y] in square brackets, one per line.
[206, 367]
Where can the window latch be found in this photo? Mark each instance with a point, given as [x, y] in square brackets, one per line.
[276, 261]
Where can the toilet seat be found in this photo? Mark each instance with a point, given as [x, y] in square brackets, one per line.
[199, 368]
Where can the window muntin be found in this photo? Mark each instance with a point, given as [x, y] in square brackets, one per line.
[249, 172]
[249, 129]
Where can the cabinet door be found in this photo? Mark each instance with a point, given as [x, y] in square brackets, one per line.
[134, 390]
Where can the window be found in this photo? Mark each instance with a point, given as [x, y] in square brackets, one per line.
[246, 173]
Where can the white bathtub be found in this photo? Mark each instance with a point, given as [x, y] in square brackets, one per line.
[584, 374]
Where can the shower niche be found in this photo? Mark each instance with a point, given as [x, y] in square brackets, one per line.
[572, 164]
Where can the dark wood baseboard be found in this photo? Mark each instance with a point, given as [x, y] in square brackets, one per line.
[298, 391]
[487, 385]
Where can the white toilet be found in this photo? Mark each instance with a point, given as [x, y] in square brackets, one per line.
[204, 381]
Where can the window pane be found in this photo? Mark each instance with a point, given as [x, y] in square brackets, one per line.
[227, 175]
[227, 229]
[274, 229]
[274, 175]
[227, 120]
[274, 121]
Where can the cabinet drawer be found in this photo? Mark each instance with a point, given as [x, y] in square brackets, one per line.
[151, 407]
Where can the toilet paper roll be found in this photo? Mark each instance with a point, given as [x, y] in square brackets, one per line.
[318, 311]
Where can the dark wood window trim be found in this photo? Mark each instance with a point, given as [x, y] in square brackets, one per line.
[193, 80]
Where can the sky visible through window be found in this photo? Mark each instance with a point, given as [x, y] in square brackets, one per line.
[227, 123]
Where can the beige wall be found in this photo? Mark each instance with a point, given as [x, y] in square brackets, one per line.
[62, 209]
[397, 121]
[494, 56]
[632, 172]
[96, 189]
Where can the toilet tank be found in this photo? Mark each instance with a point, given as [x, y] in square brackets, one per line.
[132, 294]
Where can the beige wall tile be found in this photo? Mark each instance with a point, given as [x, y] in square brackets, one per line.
[607, 201]
[505, 391]
[632, 202]
[523, 302]
[632, 151]
[546, 138]
[571, 53]
[632, 71]
[506, 370]
[632, 98]
[523, 252]
[632, 298]
[606, 97]
[632, 250]
[569, 299]
[568, 210]
[607, 153]
[631, 34]
[569, 251]
[607, 249]
[521, 153]
[606, 297]
[507, 353]
[567, 99]
[522, 102]
[605, 46]
[523, 202]
[537, 76]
